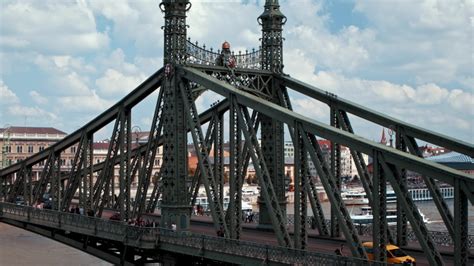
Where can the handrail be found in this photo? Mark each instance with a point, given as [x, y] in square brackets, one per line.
[139, 236]
[202, 56]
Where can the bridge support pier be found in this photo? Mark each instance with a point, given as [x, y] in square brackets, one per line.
[175, 208]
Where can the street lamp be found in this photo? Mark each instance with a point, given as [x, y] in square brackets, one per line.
[6, 145]
[136, 130]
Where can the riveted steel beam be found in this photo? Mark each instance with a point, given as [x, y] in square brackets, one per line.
[335, 160]
[125, 147]
[402, 159]
[269, 195]
[461, 236]
[430, 183]
[345, 124]
[416, 221]
[75, 176]
[104, 180]
[300, 197]
[379, 210]
[377, 117]
[318, 214]
[402, 221]
[147, 162]
[203, 159]
[334, 196]
[133, 98]
[235, 180]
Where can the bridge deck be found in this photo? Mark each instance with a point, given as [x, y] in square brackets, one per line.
[254, 247]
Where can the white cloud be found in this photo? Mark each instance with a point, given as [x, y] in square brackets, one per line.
[7, 96]
[425, 41]
[63, 64]
[137, 22]
[31, 112]
[50, 27]
[115, 83]
[117, 60]
[148, 65]
[84, 103]
[311, 108]
[37, 98]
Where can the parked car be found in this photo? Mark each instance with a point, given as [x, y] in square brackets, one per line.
[395, 255]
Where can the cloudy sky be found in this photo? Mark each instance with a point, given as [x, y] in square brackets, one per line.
[63, 62]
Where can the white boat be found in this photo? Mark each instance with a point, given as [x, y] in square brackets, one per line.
[366, 216]
[204, 203]
[351, 197]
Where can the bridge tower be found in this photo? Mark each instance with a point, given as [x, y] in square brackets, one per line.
[272, 133]
[175, 208]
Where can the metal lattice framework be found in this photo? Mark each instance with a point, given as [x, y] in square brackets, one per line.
[258, 106]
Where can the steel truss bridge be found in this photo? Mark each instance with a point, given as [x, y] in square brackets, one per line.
[256, 109]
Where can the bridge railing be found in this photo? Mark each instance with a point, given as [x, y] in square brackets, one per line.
[151, 238]
[200, 55]
[441, 238]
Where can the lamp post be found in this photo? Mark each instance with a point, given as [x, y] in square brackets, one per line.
[6, 145]
[391, 132]
[136, 130]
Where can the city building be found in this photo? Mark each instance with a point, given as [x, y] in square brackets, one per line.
[18, 143]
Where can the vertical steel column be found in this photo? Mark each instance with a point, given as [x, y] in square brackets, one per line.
[2, 188]
[29, 191]
[402, 221]
[300, 213]
[235, 196]
[125, 158]
[461, 237]
[379, 210]
[219, 152]
[336, 171]
[111, 201]
[56, 182]
[272, 133]
[175, 208]
[89, 176]
[24, 170]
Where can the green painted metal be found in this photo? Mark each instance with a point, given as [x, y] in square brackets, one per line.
[377, 117]
[272, 133]
[150, 241]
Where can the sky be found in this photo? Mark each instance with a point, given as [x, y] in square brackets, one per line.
[64, 62]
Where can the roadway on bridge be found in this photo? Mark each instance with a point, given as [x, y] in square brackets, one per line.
[203, 225]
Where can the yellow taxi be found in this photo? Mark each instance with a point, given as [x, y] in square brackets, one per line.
[394, 254]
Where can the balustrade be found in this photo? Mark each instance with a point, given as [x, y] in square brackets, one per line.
[199, 55]
[137, 236]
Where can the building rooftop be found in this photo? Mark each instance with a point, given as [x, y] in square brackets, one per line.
[455, 160]
[32, 130]
[451, 157]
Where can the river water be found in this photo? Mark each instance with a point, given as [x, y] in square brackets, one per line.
[428, 208]
[21, 247]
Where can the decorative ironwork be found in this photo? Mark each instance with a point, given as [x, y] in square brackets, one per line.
[199, 55]
[147, 238]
